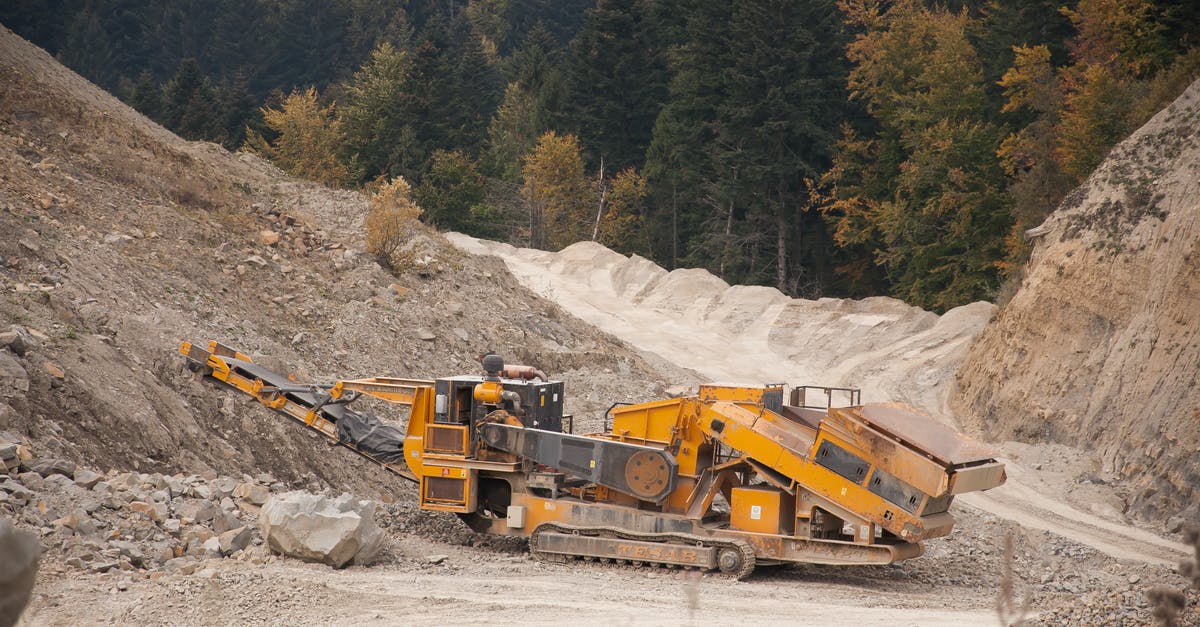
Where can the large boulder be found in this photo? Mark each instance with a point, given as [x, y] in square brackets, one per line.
[17, 570]
[46, 467]
[319, 529]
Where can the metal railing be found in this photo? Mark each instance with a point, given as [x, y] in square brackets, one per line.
[808, 396]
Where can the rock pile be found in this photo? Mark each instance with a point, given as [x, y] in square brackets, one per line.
[10, 457]
[158, 523]
[133, 521]
[1112, 607]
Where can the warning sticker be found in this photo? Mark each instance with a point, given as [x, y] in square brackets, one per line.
[756, 512]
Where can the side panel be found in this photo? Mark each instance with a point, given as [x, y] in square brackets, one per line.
[448, 489]
[977, 478]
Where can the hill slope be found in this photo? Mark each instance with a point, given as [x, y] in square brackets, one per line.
[124, 240]
[1100, 347]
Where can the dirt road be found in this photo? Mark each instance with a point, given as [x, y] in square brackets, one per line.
[473, 586]
[1018, 501]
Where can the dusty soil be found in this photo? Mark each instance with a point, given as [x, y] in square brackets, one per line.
[688, 317]
[125, 240]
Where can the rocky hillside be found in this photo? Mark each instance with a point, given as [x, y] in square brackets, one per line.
[1100, 347]
[121, 240]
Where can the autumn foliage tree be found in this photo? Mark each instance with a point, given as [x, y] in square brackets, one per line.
[927, 190]
[1128, 59]
[307, 140]
[558, 194]
[622, 224]
[1120, 46]
[963, 124]
[1029, 154]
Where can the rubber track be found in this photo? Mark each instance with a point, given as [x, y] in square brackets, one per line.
[687, 540]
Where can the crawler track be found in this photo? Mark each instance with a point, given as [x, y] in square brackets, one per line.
[733, 557]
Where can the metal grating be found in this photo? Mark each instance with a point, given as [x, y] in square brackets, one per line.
[446, 439]
[445, 489]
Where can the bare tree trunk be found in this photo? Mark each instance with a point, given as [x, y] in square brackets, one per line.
[781, 226]
[535, 217]
[674, 225]
[728, 233]
[725, 243]
[603, 197]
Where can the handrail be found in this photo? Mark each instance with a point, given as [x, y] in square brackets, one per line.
[800, 396]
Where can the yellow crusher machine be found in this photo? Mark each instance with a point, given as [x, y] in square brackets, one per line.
[728, 479]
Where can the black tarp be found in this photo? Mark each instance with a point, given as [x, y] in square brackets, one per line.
[371, 436]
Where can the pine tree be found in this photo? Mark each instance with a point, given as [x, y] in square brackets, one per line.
[451, 195]
[531, 105]
[87, 50]
[776, 127]
[616, 82]
[308, 41]
[379, 114]
[478, 85]
[512, 133]
[146, 96]
[189, 105]
[678, 160]
[237, 111]
[748, 127]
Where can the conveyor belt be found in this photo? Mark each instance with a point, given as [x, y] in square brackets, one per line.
[305, 395]
[311, 405]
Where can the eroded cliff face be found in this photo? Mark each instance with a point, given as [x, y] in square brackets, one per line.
[1100, 347]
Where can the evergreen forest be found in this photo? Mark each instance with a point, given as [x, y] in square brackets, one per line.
[842, 148]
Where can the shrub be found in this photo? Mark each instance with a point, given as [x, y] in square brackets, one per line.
[392, 220]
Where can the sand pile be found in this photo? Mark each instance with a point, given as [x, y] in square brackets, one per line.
[754, 334]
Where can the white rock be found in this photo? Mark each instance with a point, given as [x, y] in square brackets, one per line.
[251, 493]
[224, 486]
[212, 547]
[318, 529]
